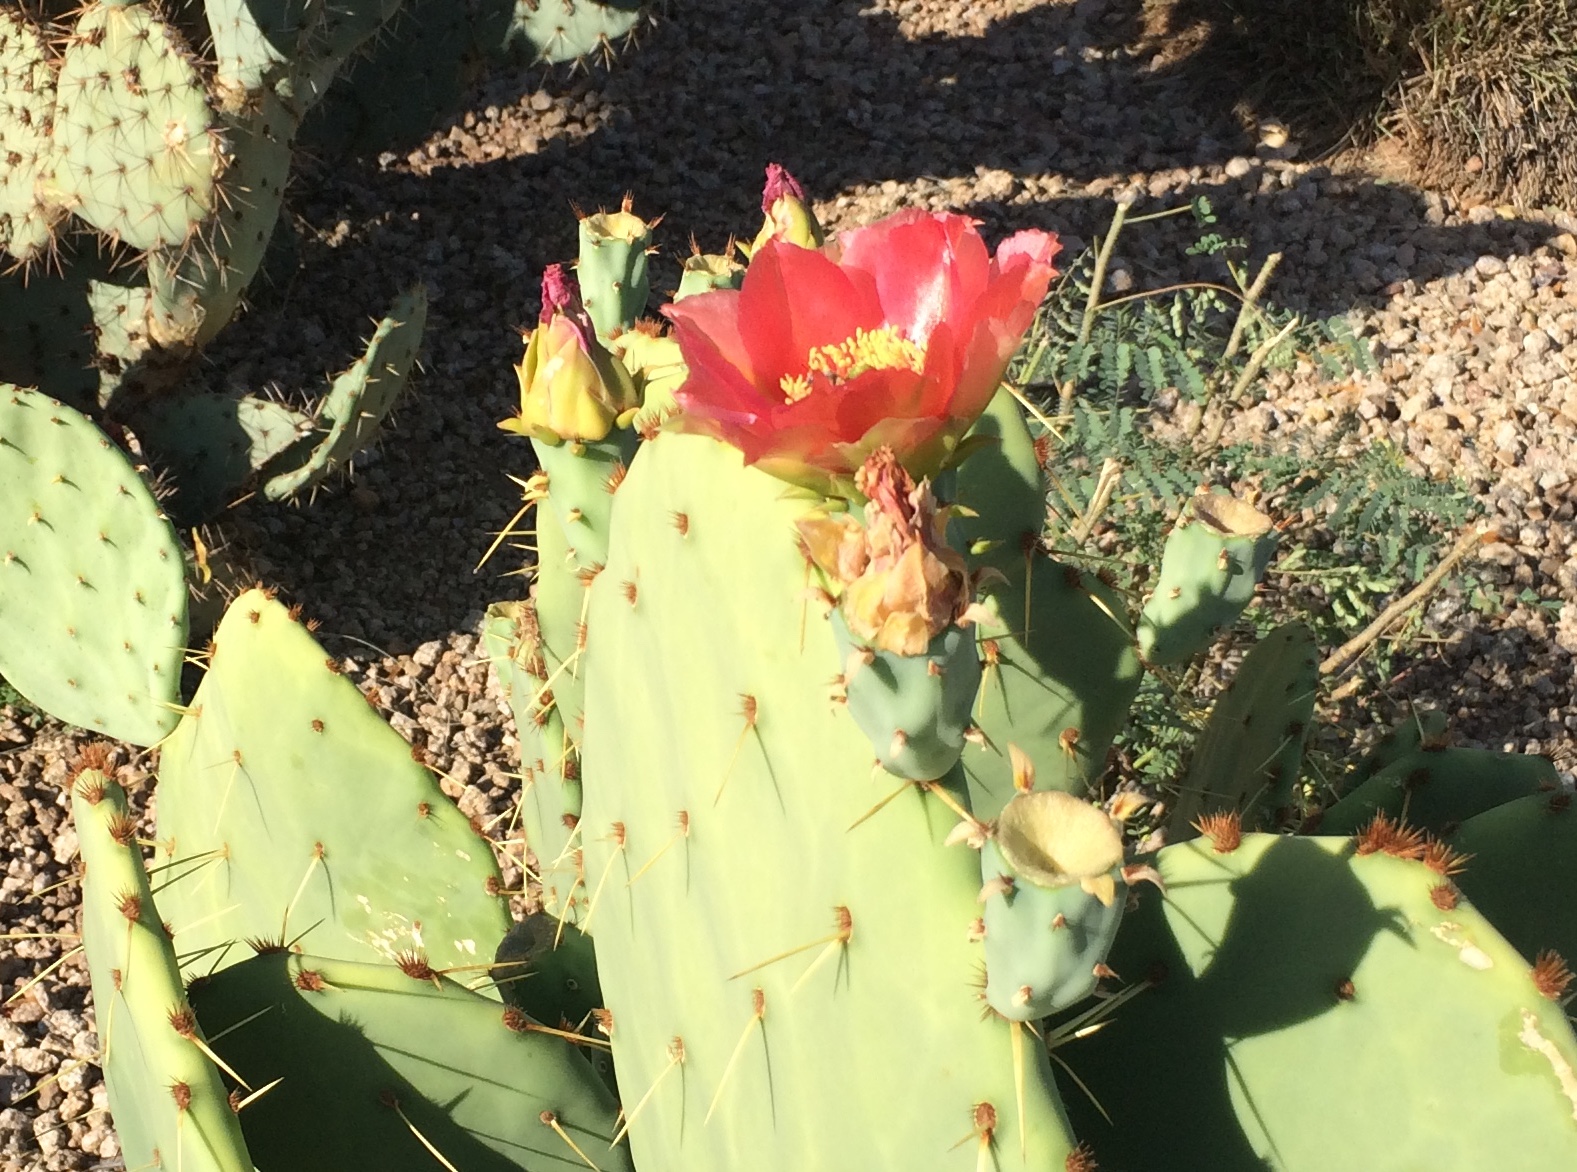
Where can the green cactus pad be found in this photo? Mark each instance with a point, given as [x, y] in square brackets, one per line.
[611, 269]
[1214, 558]
[93, 617]
[554, 31]
[1319, 1009]
[582, 480]
[548, 971]
[151, 1055]
[550, 798]
[360, 398]
[287, 808]
[46, 334]
[214, 444]
[137, 145]
[1522, 869]
[1250, 754]
[1061, 692]
[198, 286]
[913, 708]
[1002, 485]
[723, 790]
[256, 41]
[1425, 728]
[1435, 789]
[705, 272]
[380, 1067]
[27, 111]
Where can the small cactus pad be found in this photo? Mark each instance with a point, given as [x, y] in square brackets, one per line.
[1423, 729]
[137, 149]
[611, 270]
[362, 397]
[1435, 789]
[166, 1097]
[1214, 558]
[388, 1067]
[1250, 753]
[1321, 1005]
[92, 582]
[1001, 485]
[704, 272]
[549, 971]
[27, 111]
[554, 31]
[766, 923]
[214, 444]
[289, 810]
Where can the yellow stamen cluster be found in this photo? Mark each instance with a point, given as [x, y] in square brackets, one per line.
[880, 349]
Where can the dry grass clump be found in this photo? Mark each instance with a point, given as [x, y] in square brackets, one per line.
[1494, 103]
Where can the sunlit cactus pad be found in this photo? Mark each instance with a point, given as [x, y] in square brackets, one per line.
[292, 812]
[166, 1097]
[136, 154]
[27, 109]
[92, 581]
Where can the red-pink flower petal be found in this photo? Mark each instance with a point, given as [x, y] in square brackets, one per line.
[926, 267]
[795, 299]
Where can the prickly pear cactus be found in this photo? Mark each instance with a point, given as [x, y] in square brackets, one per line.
[27, 113]
[92, 581]
[167, 1099]
[1298, 981]
[290, 813]
[401, 1068]
[761, 898]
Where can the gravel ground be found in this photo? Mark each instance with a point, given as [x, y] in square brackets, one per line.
[1023, 113]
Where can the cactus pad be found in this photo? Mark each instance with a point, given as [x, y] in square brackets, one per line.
[93, 626]
[562, 30]
[361, 398]
[27, 111]
[1302, 984]
[758, 949]
[166, 1096]
[1250, 753]
[381, 1065]
[137, 149]
[1435, 789]
[290, 810]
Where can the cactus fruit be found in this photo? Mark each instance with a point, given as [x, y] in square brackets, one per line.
[288, 811]
[397, 1067]
[1053, 894]
[165, 1092]
[1214, 558]
[611, 268]
[1298, 981]
[1435, 789]
[757, 906]
[93, 624]
[1250, 754]
[361, 398]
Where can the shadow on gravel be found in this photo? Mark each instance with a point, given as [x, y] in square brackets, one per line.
[1035, 118]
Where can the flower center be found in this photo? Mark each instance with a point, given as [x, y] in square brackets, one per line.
[879, 349]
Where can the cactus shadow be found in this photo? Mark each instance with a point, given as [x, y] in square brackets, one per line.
[1299, 925]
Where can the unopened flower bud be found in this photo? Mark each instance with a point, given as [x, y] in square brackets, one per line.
[571, 387]
[789, 214]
